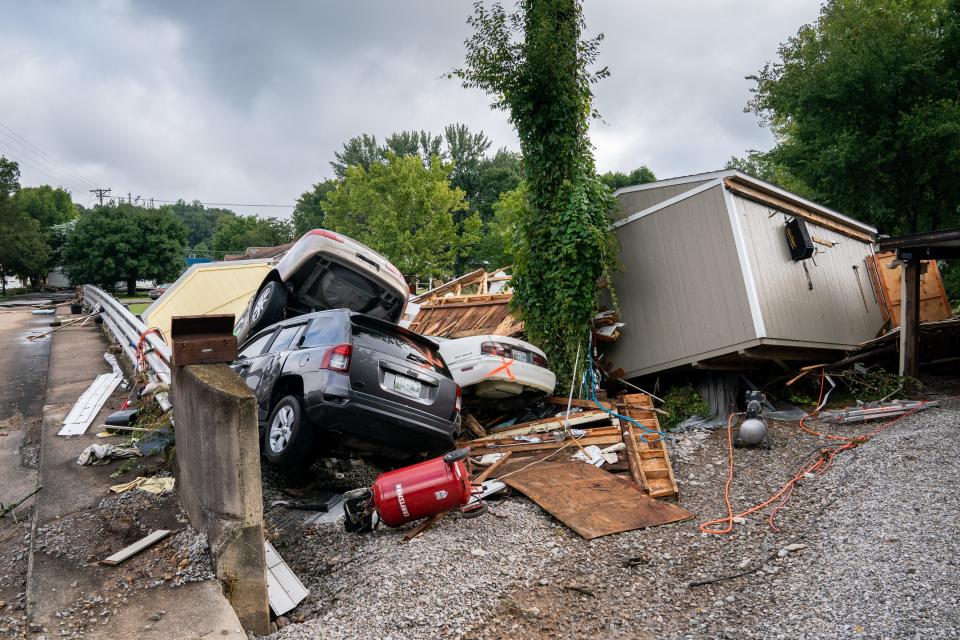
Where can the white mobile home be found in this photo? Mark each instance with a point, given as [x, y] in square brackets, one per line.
[709, 278]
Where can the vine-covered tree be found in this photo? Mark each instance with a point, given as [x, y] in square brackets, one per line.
[865, 106]
[534, 63]
[404, 210]
[125, 243]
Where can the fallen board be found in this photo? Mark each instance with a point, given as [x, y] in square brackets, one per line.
[591, 501]
[135, 548]
[284, 589]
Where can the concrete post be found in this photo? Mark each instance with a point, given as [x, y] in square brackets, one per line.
[218, 479]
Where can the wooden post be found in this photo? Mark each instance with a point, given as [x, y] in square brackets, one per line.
[910, 318]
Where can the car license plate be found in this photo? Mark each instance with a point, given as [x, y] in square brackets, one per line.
[407, 386]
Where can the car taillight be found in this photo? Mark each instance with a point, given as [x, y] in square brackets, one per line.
[337, 358]
[325, 234]
[392, 269]
[539, 360]
[495, 349]
[459, 402]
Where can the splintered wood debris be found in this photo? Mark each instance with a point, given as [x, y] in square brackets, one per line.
[473, 305]
[534, 457]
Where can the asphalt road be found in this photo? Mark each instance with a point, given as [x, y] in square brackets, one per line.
[23, 384]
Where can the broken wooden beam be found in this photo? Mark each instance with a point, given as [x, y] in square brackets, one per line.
[140, 545]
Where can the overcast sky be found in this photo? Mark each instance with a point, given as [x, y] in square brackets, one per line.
[245, 102]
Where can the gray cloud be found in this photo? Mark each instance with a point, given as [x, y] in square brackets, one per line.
[246, 102]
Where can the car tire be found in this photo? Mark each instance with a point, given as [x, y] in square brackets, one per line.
[286, 439]
[268, 307]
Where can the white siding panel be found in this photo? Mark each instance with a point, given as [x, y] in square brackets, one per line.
[681, 292]
[833, 312]
[634, 201]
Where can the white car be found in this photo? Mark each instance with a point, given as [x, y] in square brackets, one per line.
[497, 367]
[325, 270]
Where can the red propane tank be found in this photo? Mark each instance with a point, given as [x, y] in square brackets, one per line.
[421, 490]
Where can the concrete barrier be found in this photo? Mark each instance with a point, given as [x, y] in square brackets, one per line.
[218, 479]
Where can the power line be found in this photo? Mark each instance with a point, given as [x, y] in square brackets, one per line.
[37, 150]
[223, 204]
[59, 179]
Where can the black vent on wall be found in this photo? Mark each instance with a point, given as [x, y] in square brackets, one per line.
[798, 239]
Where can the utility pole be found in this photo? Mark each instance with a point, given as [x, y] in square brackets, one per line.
[101, 194]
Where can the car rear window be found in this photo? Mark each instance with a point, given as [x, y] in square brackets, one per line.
[397, 344]
[323, 331]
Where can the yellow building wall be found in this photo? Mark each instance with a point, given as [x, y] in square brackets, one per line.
[208, 289]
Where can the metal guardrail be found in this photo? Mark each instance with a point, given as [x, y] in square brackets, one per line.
[127, 329]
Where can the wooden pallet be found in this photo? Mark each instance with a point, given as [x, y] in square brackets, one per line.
[649, 460]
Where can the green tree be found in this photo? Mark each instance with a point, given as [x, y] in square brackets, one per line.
[503, 242]
[413, 143]
[48, 207]
[498, 174]
[616, 179]
[125, 243]
[466, 151]
[9, 178]
[865, 107]
[404, 210]
[308, 214]
[536, 66]
[200, 221]
[23, 247]
[235, 233]
[360, 151]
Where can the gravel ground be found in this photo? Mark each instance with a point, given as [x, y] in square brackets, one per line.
[875, 556]
[85, 537]
[14, 555]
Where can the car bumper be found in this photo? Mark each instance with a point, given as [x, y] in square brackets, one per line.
[485, 374]
[371, 425]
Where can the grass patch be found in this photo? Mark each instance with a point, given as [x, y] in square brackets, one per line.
[138, 307]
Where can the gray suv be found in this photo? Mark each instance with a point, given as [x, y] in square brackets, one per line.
[341, 383]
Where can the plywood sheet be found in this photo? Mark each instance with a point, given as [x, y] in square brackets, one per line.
[591, 501]
[934, 305]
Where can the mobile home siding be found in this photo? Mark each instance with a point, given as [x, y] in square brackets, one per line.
[834, 311]
[682, 290]
[634, 201]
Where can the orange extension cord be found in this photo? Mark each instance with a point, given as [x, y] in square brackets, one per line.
[818, 466]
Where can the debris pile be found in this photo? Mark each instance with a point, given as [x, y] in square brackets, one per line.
[473, 305]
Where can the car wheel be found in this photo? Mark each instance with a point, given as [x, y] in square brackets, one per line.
[268, 307]
[286, 440]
